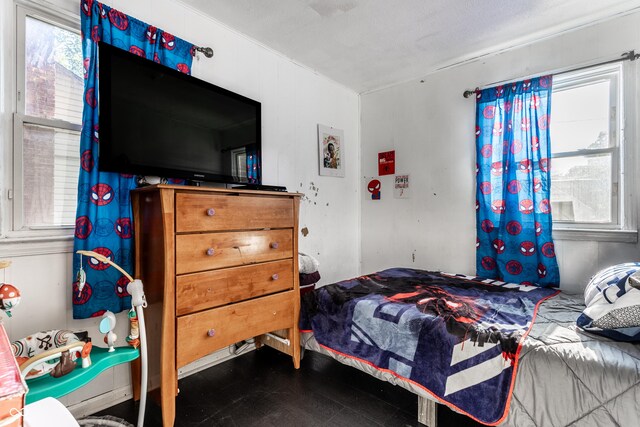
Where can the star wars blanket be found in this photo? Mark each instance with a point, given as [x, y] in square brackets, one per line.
[457, 337]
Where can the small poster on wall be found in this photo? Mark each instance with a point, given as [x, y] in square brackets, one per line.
[387, 163]
[401, 187]
[330, 151]
[374, 187]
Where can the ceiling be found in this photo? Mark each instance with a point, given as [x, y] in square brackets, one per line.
[369, 44]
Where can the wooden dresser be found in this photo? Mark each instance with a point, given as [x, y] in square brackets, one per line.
[218, 266]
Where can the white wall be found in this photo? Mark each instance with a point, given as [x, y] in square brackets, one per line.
[431, 127]
[294, 100]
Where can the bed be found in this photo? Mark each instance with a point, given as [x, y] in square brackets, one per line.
[557, 375]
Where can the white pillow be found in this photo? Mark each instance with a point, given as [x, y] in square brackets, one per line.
[612, 300]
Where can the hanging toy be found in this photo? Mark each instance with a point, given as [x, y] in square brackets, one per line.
[9, 294]
[9, 297]
[86, 354]
[138, 336]
[134, 337]
[108, 322]
[134, 288]
[81, 278]
[107, 325]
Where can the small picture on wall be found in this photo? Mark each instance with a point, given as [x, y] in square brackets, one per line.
[331, 151]
[401, 189]
[387, 163]
[372, 188]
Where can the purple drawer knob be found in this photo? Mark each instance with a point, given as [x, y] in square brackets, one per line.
[211, 332]
[274, 245]
[211, 251]
[211, 212]
[275, 276]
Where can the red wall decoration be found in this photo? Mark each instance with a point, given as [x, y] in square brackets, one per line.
[387, 163]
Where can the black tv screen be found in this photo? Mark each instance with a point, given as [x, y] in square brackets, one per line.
[158, 121]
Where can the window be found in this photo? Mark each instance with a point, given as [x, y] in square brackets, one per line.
[239, 164]
[47, 122]
[586, 126]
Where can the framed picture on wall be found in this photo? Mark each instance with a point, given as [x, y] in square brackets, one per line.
[330, 151]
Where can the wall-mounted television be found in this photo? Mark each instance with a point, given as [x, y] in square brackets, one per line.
[158, 121]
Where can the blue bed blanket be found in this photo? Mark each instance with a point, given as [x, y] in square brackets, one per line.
[457, 337]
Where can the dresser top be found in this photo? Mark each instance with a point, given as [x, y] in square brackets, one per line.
[216, 190]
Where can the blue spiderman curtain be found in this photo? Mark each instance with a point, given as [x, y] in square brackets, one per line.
[103, 218]
[513, 211]
[254, 169]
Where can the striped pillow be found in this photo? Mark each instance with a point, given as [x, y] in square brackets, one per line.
[612, 300]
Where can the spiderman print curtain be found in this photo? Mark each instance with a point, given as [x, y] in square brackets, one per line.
[513, 212]
[103, 218]
[253, 165]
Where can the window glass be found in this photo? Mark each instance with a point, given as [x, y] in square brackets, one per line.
[54, 74]
[581, 188]
[580, 117]
[239, 168]
[50, 175]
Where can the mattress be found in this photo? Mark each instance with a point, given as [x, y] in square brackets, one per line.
[565, 376]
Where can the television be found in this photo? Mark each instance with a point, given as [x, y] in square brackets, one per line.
[157, 121]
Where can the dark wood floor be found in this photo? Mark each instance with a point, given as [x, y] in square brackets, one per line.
[261, 388]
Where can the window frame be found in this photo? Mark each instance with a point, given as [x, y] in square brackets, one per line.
[622, 227]
[236, 170]
[16, 226]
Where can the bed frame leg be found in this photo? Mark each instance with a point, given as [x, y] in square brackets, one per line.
[427, 412]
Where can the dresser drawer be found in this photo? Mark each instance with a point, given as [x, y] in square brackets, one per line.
[200, 291]
[211, 212]
[199, 252]
[203, 333]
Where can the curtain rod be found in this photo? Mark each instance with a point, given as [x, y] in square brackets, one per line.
[207, 51]
[627, 56]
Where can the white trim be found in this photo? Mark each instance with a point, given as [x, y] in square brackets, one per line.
[583, 234]
[584, 152]
[51, 123]
[629, 150]
[14, 207]
[101, 402]
[41, 9]
[16, 204]
[26, 246]
[620, 224]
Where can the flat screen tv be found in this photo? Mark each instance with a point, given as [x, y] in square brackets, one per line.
[158, 121]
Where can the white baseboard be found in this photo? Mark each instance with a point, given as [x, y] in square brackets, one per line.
[210, 360]
[119, 395]
[100, 402]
